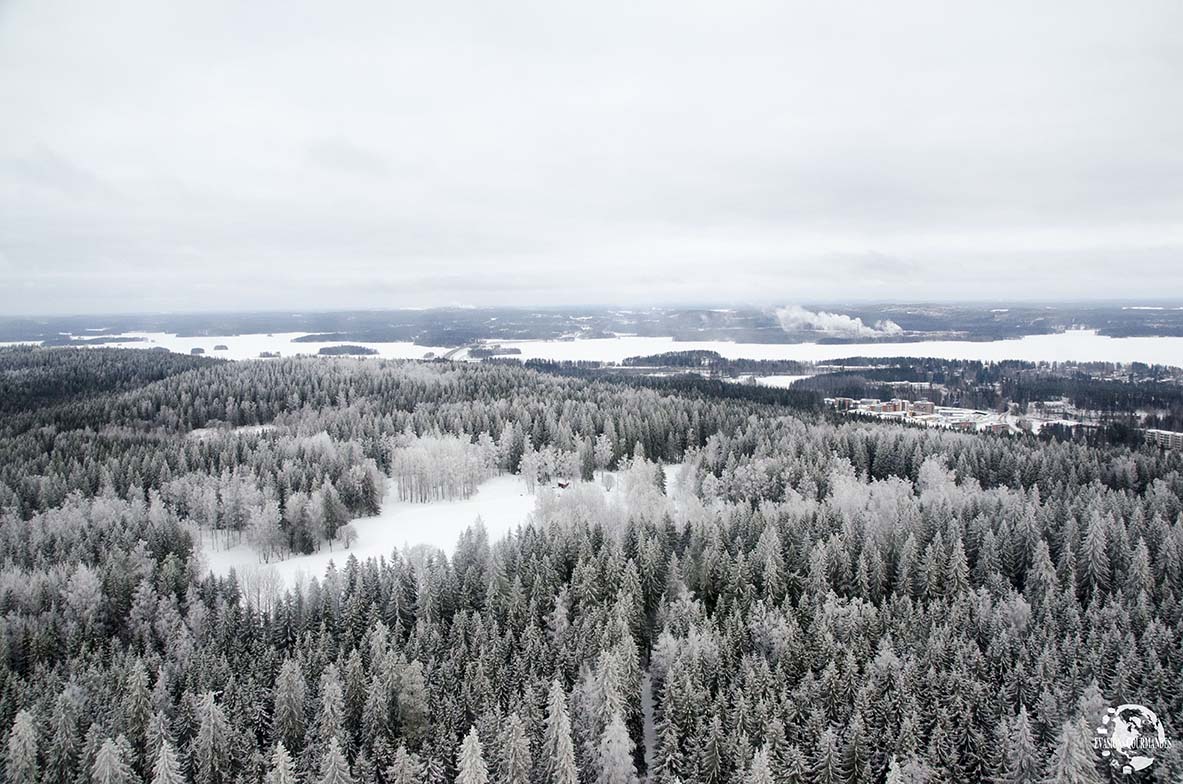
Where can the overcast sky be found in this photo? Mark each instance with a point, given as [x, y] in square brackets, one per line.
[161, 155]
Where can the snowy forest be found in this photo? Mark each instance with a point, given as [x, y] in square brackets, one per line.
[826, 602]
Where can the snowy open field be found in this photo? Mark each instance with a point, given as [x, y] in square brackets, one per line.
[502, 503]
[1076, 346]
[780, 382]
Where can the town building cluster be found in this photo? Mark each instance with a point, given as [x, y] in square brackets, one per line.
[925, 412]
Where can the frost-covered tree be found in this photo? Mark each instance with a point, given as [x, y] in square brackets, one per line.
[413, 710]
[1021, 763]
[330, 718]
[289, 713]
[470, 762]
[558, 752]
[760, 771]
[911, 771]
[62, 755]
[615, 758]
[21, 764]
[515, 761]
[166, 769]
[1073, 760]
[210, 750]
[334, 768]
[109, 766]
[406, 768]
[282, 769]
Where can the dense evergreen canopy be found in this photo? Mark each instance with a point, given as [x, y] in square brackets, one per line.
[825, 602]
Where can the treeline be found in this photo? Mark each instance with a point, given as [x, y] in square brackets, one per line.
[713, 361]
[807, 601]
[32, 379]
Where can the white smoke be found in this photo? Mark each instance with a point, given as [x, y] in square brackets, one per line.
[794, 318]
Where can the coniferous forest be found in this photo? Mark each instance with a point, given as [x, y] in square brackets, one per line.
[791, 599]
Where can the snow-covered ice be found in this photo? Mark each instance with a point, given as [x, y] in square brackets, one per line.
[1073, 345]
[250, 346]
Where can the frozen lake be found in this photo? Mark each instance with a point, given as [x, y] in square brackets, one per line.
[250, 346]
[1076, 346]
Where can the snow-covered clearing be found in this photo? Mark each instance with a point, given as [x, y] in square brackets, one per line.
[780, 382]
[202, 433]
[502, 503]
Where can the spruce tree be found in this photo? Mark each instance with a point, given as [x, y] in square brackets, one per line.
[776, 747]
[760, 771]
[470, 762]
[827, 761]
[330, 718]
[795, 766]
[210, 752]
[615, 753]
[166, 769]
[21, 767]
[558, 746]
[1073, 760]
[413, 710]
[515, 753]
[334, 768]
[911, 771]
[289, 712]
[62, 755]
[712, 755]
[405, 768]
[109, 765]
[1021, 764]
[137, 713]
[282, 770]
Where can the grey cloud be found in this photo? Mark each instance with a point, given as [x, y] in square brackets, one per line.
[345, 156]
[165, 154]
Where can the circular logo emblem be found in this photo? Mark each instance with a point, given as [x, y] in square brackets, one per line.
[1128, 736]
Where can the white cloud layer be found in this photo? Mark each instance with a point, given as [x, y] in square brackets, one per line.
[167, 155]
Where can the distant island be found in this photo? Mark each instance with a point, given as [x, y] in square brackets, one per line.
[346, 350]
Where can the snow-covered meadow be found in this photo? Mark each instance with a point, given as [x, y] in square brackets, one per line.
[777, 381]
[501, 503]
